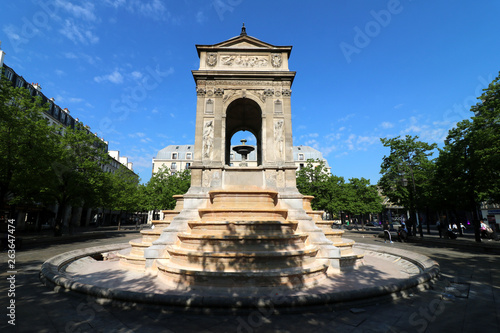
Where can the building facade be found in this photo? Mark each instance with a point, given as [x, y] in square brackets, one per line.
[178, 158]
[58, 117]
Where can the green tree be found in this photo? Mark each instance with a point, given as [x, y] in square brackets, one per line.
[405, 173]
[333, 195]
[162, 186]
[123, 191]
[364, 198]
[79, 179]
[313, 179]
[26, 146]
[468, 166]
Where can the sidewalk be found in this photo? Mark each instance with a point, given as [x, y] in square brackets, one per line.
[467, 241]
[31, 239]
[467, 289]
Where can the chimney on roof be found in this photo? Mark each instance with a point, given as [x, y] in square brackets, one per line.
[52, 99]
[37, 86]
[66, 110]
[2, 54]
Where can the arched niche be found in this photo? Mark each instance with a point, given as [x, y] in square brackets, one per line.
[243, 114]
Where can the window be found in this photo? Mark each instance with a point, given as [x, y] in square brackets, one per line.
[173, 166]
[301, 157]
[174, 156]
[188, 165]
[9, 74]
[301, 165]
[231, 157]
[20, 82]
[189, 156]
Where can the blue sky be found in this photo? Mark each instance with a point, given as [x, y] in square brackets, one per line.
[365, 69]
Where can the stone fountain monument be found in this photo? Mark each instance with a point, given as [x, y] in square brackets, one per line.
[241, 232]
[242, 225]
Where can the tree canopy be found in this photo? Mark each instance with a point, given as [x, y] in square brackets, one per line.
[468, 166]
[159, 191]
[333, 195]
[26, 145]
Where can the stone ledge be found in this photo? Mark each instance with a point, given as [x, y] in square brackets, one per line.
[52, 275]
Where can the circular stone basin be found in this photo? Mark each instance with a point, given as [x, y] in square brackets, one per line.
[386, 272]
[243, 149]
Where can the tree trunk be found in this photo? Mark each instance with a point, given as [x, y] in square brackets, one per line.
[60, 219]
[476, 224]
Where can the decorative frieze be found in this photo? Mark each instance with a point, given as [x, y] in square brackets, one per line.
[219, 92]
[287, 92]
[268, 92]
[201, 91]
[251, 61]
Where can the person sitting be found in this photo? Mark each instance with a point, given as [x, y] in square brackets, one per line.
[403, 233]
[486, 231]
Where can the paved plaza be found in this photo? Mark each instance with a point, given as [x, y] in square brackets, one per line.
[465, 298]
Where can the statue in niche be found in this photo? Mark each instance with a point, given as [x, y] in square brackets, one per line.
[278, 138]
[208, 138]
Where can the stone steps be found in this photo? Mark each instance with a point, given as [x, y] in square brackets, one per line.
[253, 242]
[242, 214]
[269, 227]
[309, 274]
[348, 258]
[135, 256]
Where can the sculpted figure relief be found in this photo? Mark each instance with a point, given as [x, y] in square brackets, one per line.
[208, 138]
[244, 61]
[278, 138]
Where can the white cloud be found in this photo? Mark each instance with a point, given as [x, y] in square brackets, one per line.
[137, 135]
[436, 132]
[114, 77]
[201, 17]
[75, 100]
[136, 74]
[86, 11]
[78, 34]
[387, 125]
[309, 135]
[9, 30]
[153, 9]
[347, 117]
[70, 55]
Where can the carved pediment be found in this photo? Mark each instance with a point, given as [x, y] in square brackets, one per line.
[243, 42]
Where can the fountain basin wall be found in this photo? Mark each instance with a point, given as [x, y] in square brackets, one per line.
[54, 274]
